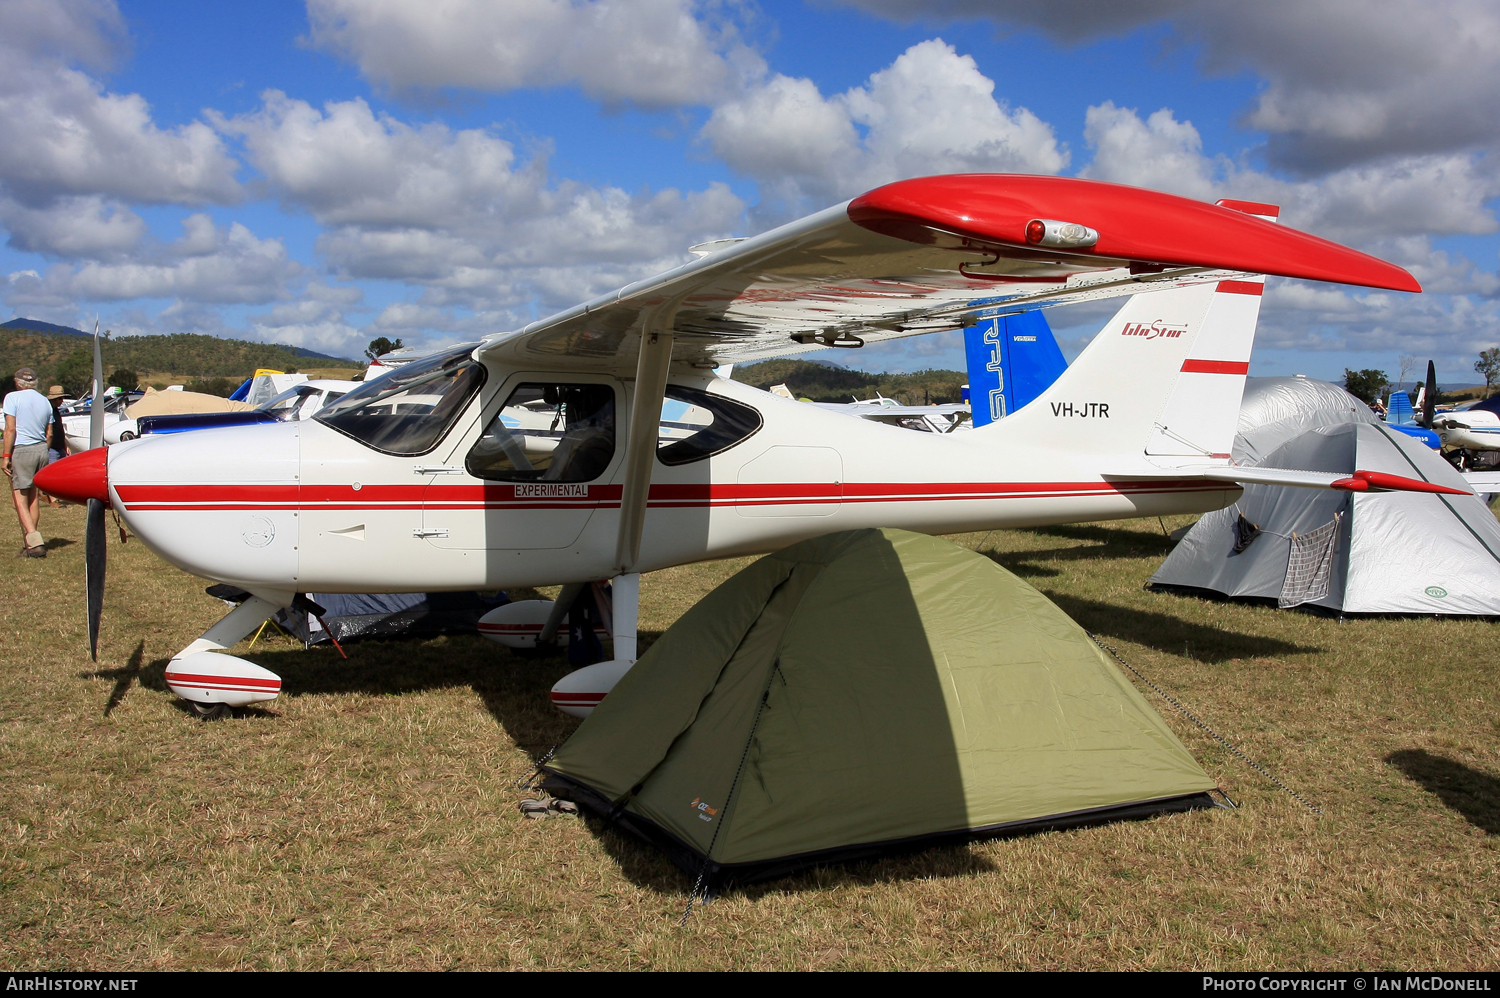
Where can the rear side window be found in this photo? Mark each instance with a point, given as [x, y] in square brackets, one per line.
[696, 424]
[407, 411]
[548, 432]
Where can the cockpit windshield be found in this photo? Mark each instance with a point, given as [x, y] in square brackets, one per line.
[407, 411]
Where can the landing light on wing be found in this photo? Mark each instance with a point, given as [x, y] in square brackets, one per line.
[1059, 235]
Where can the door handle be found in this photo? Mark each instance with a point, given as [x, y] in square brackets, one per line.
[436, 469]
[430, 532]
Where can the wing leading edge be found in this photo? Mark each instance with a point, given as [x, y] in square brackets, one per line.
[931, 254]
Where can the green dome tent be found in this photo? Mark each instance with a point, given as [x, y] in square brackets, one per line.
[862, 692]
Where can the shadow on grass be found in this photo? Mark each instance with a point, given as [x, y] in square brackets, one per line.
[514, 689]
[1473, 794]
[127, 675]
[645, 867]
[1102, 543]
[1115, 542]
[1172, 634]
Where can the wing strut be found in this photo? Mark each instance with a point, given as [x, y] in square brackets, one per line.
[645, 419]
[580, 691]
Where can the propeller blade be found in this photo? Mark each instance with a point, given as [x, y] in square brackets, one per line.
[1429, 398]
[96, 407]
[93, 566]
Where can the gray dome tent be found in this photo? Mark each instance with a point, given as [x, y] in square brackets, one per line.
[865, 691]
[1373, 552]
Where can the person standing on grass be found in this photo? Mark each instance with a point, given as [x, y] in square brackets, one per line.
[28, 415]
[57, 439]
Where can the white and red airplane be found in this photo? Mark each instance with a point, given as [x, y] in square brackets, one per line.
[415, 481]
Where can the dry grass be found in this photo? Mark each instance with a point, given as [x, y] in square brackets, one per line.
[368, 819]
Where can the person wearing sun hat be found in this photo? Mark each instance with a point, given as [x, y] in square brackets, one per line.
[57, 439]
[28, 416]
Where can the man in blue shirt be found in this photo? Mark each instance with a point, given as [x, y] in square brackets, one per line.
[28, 416]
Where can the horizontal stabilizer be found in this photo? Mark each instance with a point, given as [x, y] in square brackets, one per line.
[1359, 481]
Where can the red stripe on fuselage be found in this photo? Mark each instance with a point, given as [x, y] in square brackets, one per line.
[250, 498]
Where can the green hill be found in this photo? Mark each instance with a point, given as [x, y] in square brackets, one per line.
[38, 326]
[826, 383]
[62, 358]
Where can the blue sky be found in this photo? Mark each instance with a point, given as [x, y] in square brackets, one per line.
[323, 172]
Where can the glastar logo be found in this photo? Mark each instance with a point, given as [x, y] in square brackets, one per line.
[1154, 331]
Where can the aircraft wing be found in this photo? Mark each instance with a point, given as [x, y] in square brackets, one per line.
[1483, 481]
[931, 254]
[895, 414]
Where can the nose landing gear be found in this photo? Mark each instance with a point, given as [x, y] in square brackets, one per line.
[211, 682]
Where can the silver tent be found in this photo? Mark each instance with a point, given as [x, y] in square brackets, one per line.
[1375, 552]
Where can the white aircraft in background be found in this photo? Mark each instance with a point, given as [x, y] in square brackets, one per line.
[1471, 427]
[418, 481]
[940, 418]
[76, 424]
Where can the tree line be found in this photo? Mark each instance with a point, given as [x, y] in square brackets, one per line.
[1369, 384]
[207, 361]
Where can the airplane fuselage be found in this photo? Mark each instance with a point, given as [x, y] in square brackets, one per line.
[305, 507]
[1473, 429]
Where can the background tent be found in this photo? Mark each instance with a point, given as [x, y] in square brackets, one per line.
[861, 691]
[1375, 552]
[155, 403]
[388, 615]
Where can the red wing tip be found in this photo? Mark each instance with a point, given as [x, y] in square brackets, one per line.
[1364, 480]
[1133, 223]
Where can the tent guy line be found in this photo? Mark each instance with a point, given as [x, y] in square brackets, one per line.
[1210, 731]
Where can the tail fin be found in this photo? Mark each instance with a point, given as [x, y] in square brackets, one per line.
[1011, 361]
[1163, 379]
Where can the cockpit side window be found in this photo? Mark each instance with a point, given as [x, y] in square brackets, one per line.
[407, 411]
[548, 432]
[696, 424]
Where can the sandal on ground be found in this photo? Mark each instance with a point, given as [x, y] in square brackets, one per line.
[37, 552]
[563, 806]
[533, 808]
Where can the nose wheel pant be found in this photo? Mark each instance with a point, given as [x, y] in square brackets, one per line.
[211, 682]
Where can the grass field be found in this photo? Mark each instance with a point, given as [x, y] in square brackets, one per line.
[368, 819]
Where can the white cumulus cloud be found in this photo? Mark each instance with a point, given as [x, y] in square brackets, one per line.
[1347, 81]
[228, 265]
[649, 52]
[459, 213]
[931, 111]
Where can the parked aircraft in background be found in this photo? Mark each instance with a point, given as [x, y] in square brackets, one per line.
[77, 416]
[1011, 360]
[1473, 428]
[417, 480]
[937, 418]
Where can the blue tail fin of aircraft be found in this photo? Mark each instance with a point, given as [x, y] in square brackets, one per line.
[1012, 360]
[1400, 411]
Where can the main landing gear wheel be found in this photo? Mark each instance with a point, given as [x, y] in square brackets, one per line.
[208, 711]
